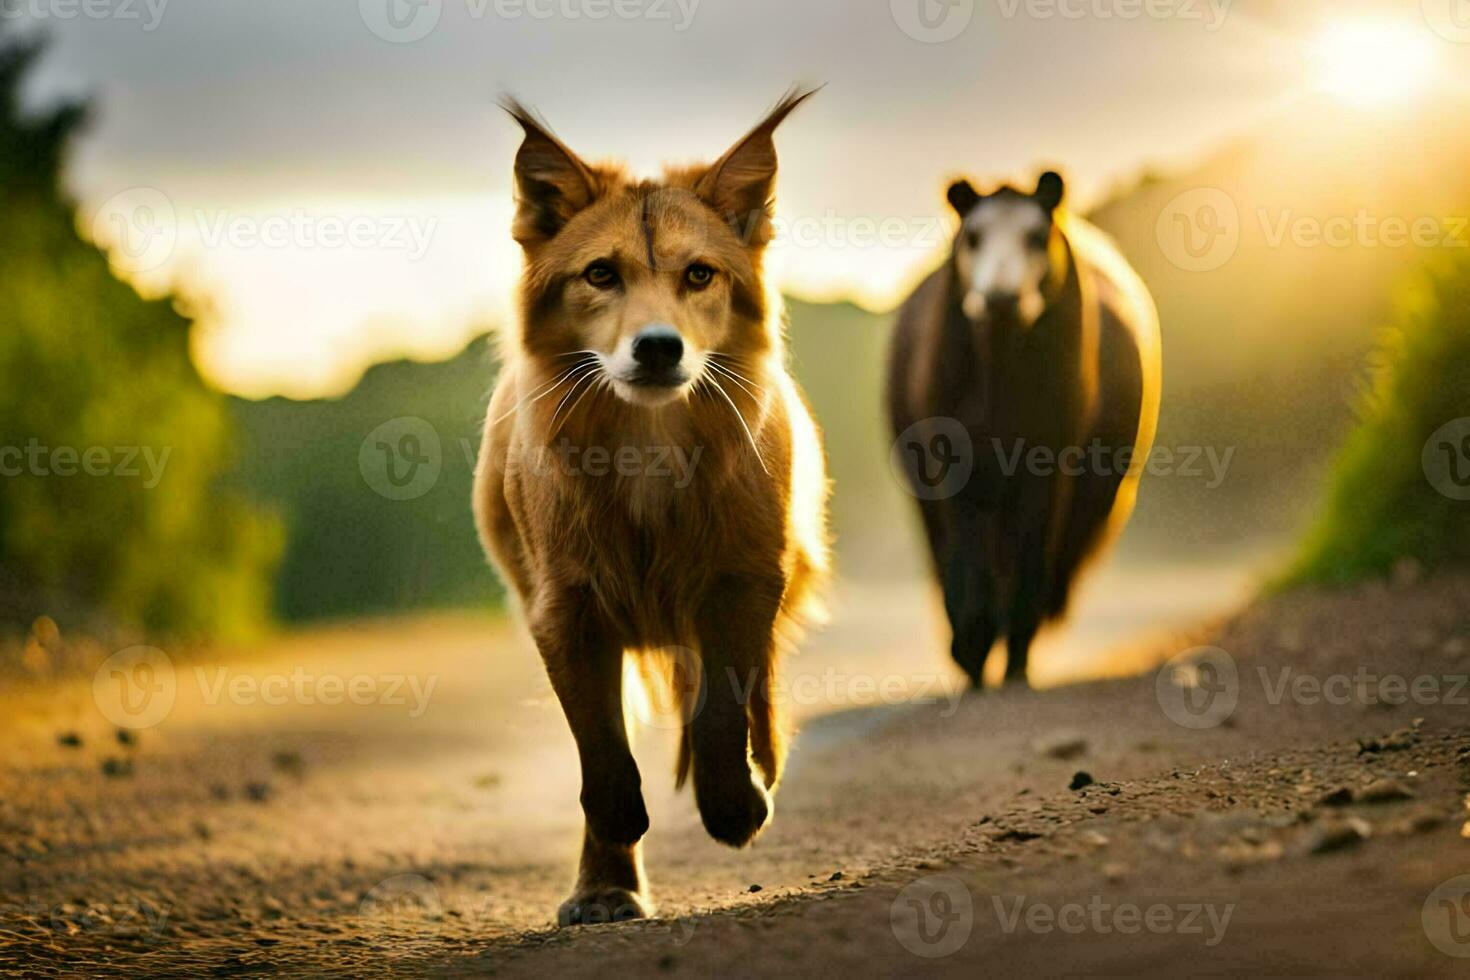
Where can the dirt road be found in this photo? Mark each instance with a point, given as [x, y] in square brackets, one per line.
[1279, 814]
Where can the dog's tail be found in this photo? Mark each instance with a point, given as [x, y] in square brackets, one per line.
[667, 695]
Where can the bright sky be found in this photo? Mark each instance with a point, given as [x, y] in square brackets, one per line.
[334, 176]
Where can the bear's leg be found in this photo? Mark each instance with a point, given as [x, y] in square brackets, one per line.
[1028, 604]
[970, 599]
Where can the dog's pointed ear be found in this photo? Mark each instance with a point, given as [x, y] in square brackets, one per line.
[740, 185]
[962, 197]
[552, 182]
[1050, 190]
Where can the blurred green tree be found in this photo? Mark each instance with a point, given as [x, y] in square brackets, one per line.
[1400, 488]
[96, 384]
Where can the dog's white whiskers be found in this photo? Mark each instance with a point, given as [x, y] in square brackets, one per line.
[594, 386]
[748, 434]
[543, 390]
[740, 380]
[552, 428]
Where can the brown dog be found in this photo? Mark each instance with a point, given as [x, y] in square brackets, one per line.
[646, 335]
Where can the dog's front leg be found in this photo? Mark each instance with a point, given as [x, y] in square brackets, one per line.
[737, 648]
[585, 663]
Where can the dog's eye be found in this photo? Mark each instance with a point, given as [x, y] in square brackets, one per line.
[601, 274]
[972, 237]
[699, 275]
[1039, 239]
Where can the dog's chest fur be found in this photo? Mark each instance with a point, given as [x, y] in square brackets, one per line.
[647, 538]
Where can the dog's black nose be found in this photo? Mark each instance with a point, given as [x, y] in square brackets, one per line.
[658, 348]
[1002, 304]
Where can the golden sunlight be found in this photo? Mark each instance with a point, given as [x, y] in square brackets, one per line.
[1372, 63]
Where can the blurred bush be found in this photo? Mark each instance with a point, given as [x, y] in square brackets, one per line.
[87, 366]
[357, 544]
[1387, 499]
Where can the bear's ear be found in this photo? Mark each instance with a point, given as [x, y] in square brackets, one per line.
[962, 197]
[552, 182]
[1050, 190]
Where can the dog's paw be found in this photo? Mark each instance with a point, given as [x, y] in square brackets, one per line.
[603, 903]
[734, 811]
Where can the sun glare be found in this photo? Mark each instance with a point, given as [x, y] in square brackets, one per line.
[1373, 64]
